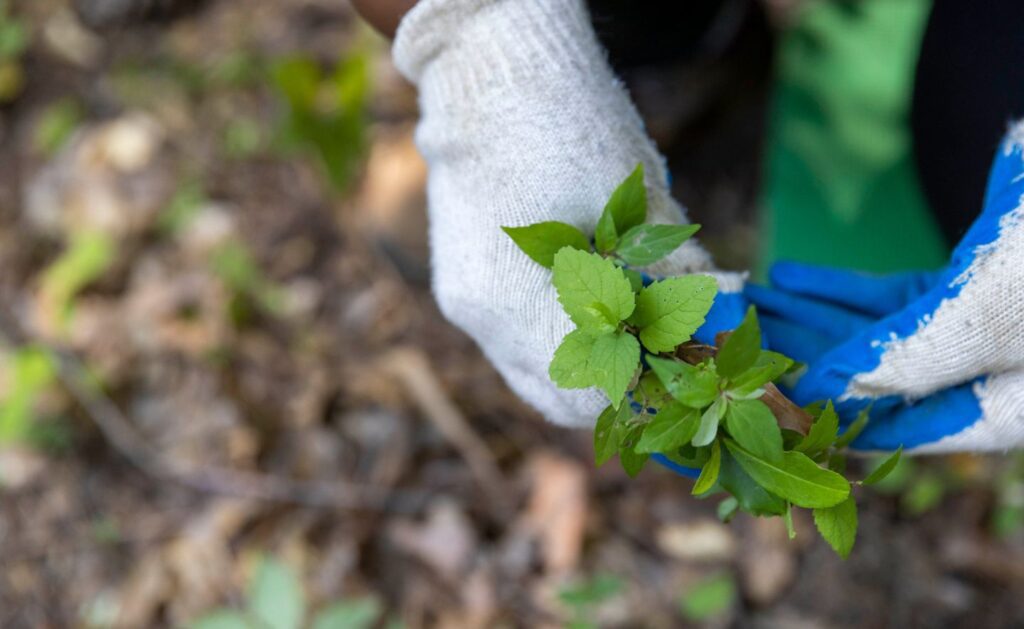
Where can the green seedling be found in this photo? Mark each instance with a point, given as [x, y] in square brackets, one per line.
[249, 290]
[89, 255]
[326, 113]
[243, 138]
[188, 199]
[14, 40]
[920, 487]
[712, 408]
[56, 125]
[31, 371]
[708, 599]
[275, 600]
[584, 597]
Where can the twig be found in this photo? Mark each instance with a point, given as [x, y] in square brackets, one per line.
[413, 369]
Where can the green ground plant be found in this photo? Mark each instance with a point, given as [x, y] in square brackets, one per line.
[31, 371]
[708, 599]
[584, 597]
[56, 124]
[326, 112]
[88, 256]
[275, 600]
[712, 408]
[14, 40]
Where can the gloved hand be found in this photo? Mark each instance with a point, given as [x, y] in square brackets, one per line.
[523, 121]
[940, 354]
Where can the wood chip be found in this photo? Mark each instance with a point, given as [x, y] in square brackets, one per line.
[557, 510]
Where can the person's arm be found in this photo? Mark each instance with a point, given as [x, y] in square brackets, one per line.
[383, 15]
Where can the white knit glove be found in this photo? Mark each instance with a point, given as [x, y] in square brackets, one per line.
[522, 122]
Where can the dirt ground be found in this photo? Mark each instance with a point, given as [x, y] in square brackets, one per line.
[249, 364]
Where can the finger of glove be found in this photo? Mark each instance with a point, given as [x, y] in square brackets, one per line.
[799, 342]
[682, 470]
[726, 314]
[1001, 398]
[922, 423]
[870, 294]
[830, 320]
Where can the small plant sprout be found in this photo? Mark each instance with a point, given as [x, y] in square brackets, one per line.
[275, 599]
[711, 408]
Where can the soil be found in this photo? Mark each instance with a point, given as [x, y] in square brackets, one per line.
[324, 413]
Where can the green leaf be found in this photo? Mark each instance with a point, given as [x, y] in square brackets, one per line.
[56, 124]
[617, 357]
[689, 456]
[923, 494]
[541, 241]
[601, 319]
[837, 463]
[767, 367]
[673, 426]
[855, 429]
[709, 423]
[605, 236]
[223, 619]
[888, 465]
[790, 529]
[695, 387]
[646, 244]
[796, 478]
[838, 525]
[609, 433]
[88, 257]
[275, 596]
[570, 368]
[752, 498]
[822, 433]
[752, 424]
[727, 508]
[607, 361]
[654, 392]
[708, 599]
[591, 592]
[14, 36]
[900, 478]
[360, 613]
[636, 281]
[30, 372]
[632, 461]
[741, 349]
[670, 311]
[626, 208]
[584, 279]
[709, 473]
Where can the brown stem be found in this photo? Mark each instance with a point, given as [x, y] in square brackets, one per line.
[787, 413]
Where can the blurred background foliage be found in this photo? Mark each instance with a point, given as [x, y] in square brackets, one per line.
[228, 400]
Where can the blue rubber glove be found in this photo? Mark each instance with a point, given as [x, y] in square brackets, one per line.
[939, 355]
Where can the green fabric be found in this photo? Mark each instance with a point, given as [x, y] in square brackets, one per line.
[840, 186]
